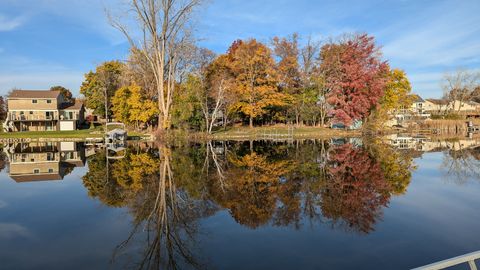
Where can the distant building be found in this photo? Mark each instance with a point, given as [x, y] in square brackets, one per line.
[42, 110]
[443, 106]
[416, 111]
[422, 109]
[436, 106]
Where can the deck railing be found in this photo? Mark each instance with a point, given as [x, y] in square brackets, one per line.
[31, 117]
[467, 258]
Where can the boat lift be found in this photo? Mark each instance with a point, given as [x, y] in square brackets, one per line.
[117, 134]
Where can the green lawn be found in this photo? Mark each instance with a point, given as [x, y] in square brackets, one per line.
[86, 133]
[281, 131]
[97, 132]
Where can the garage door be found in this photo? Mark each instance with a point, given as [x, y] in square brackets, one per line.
[67, 125]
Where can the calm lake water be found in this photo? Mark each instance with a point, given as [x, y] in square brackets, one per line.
[395, 203]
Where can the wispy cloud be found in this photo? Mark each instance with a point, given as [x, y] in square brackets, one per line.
[90, 14]
[452, 38]
[12, 230]
[9, 24]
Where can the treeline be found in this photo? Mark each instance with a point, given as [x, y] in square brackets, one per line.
[169, 82]
[341, 81]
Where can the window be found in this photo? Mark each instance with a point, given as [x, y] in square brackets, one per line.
[36, 171]
[31, 112]
[50, 170]
[49, 101]
[34, 101]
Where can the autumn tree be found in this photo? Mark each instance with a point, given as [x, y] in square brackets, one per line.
[395, 97]
[163, 44]
[288, 70]
[397, 91]
[139, 71]
[219, 81]
[67, 94]
[315, 106]
[99, 87]
[120, 106]
[204, 90]
[355, 76]
[130, 105]
[255, 80]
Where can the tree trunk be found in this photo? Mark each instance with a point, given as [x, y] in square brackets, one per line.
[251, 122]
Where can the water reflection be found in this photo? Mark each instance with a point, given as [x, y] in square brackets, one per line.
[344, 184]
[461, 159]
[43, 161]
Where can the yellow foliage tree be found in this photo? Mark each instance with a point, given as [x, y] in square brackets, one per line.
[120, 106]
[396, 94]
[255, 79]
[131, 105]
[142, 109]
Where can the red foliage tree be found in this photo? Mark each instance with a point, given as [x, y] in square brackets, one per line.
[355, 75]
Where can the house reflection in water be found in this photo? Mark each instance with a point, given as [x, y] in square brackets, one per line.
[43, 161]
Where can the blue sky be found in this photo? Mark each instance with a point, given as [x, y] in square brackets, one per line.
[54, 42]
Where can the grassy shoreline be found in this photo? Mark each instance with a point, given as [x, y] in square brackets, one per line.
[74, 134]
[232, 133]
[281, 132]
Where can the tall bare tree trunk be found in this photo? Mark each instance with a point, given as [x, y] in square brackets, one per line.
[163, 24]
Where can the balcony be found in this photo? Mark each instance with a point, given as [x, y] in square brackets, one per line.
[32, 117]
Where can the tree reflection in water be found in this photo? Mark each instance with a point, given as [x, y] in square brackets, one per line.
[164, 216]
[168, 189]
[461, 164]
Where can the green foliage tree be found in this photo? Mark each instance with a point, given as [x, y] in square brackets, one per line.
[67, 94]
[106, 79]
[186, 108]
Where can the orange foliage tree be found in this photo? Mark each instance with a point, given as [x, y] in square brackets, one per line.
[256, 79]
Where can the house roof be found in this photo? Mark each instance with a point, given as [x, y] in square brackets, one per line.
[438, 101]
[34, 94]
[76, 104]
[416, 98]
[36, 177]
